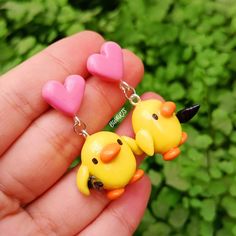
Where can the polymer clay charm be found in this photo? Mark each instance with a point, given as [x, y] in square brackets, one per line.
[156, 125]
[108, 160]
[66, 98]
[108, 64]
[157, 128]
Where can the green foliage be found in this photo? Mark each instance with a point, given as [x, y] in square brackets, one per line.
[189, 52]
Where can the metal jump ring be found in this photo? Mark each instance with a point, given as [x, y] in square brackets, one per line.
[134, 99]
[130, 93]
[80, 127]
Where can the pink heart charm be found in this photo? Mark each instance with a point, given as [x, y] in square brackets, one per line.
[108, 64]
[66, 98]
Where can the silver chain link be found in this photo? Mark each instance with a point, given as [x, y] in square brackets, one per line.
[80, 127]
[130, 93]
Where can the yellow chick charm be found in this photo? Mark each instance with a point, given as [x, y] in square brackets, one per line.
[157, 128]
[108, 162]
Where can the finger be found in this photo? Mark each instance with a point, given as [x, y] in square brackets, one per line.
[20, 88]
[63, 210]
[46, 149]
[19, 223]
[124, 214]
[51, 212]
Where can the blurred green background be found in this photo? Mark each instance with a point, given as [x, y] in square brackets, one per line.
[189, 51]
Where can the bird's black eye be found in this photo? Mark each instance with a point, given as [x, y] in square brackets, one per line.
[155, 116]
[95, 161]
[119, 141]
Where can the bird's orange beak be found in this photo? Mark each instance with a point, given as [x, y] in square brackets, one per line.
[109, 152]
[168, 108]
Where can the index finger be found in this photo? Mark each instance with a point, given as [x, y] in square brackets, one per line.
[20, 89]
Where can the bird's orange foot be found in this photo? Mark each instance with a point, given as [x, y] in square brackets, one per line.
[171, 154]
[114, 194]
[138, 175]
[184, 138]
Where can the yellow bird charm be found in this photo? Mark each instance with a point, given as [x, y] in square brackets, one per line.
[108, 162]
[157, 128]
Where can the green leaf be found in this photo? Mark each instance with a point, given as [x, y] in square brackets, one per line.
[227, 166]
[196, 190]
[215, 172]
[196, 156]
[227, 102]
[228, 223]
[74, 28]
[166, 198]
[229, 204]
[176, 91]
[173, 178]
[193, 226]
[26, 44]
[20, 13]
[217, 187]
[208, 210]
[210, 80]
[221, 121]
[171, 72]
[35, 49]
[202, 175]
[178, 216]
[187, 53]
[186, 202]
[219, 138]
[224, 232]
[206, 229]
[3, 27]
[6, 52]
[202, 60]
[234, 230]
[232, 189]
[232, 151]
[156, 178]
[195, 203]
[196, 90]
[203, 141]
[233, 137]
[163, 7]
[160, 229]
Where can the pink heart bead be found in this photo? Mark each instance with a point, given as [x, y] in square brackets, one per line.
[66, 98]
[108, 64]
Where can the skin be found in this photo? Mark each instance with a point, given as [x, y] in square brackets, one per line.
[37, 194]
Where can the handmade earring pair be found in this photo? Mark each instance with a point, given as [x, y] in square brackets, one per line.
[107, 160]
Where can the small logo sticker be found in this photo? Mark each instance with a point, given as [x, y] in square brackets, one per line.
[118, 117]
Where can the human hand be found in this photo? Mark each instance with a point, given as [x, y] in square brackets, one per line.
[37, 145]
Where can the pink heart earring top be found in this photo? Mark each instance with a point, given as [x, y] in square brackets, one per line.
[107, 65]
[66, 98]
